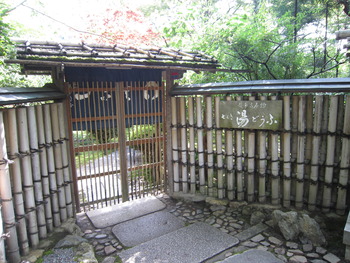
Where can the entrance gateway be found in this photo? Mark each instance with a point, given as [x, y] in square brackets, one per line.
[116, 108]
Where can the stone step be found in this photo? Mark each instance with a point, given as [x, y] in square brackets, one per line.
[195, 243]
[145, 228]
[253, 255]
[112, 215]
[251, 232]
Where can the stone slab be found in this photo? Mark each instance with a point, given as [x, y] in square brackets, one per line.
[251, 232]
[194, 243]
[346, 236]
[253, 255]
[112, 215]
[145, 228]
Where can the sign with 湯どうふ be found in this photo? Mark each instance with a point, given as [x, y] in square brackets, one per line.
[263, 115]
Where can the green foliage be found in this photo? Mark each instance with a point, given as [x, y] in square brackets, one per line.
[272, 39]
[5, 29]
[10, 74]
[104, 135]
[150, 150]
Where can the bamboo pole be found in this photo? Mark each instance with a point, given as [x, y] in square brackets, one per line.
[345, 162]
[8, 213]
[239, 163]
[58, 162]
[65, 161]
[262, 163]
[192, 145]
[308, 142]
[38, 191]
[294, 145]
[287, 167]
[184, 171]
[175, 145]
[275, 182]
[51, 166]
[315, 153]
[15, 172]
[2, 241]
[220, 162]
[210, 167]
[251, 164]
[338, 148]
[229, 162]
[332, 125]
[323, 148]
[202, 186]
[27, 177]
[300, 154]
[43, 167]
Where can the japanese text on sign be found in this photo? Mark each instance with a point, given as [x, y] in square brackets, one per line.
[251, 114]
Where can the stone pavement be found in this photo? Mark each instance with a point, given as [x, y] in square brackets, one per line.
[238, 220]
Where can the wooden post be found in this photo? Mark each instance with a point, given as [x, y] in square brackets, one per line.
[210, 167]
[175, 146]
[300, 154]
[122, 141]
[192, 145]
[275, 181]
[51, 165]
[202, 185]
[229, 162]
[27, 177]
[262, 163]
[219, 152]
[315, 153]
[16, 177]
[8, 213]
[43, 167]
[65, 157]
[251, 164]
[287, 166]
[239, 163]
[332, 125]
[169, 177]
[184, 171]
[345, 162]
[38, 191]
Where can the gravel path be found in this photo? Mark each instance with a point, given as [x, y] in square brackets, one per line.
[65, 255]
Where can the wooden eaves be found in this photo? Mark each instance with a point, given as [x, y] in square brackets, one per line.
[39, 57]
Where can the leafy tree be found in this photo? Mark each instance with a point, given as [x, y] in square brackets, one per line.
[9, 73]
[273, 39]
[123, 26]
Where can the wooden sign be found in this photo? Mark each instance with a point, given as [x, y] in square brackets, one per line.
[266, 115]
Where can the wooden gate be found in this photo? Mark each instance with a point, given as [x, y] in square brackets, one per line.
[118, 141]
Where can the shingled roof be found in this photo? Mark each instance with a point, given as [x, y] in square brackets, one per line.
[36, 56]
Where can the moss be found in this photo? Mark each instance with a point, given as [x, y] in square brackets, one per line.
[118, 259]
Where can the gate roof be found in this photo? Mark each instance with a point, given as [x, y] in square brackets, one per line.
[38, 56]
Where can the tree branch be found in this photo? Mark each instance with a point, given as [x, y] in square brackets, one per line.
[13, 8]
[325, 70]
[62, 23]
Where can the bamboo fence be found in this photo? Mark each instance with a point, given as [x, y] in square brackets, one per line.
[35, 184]
[304, 164]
